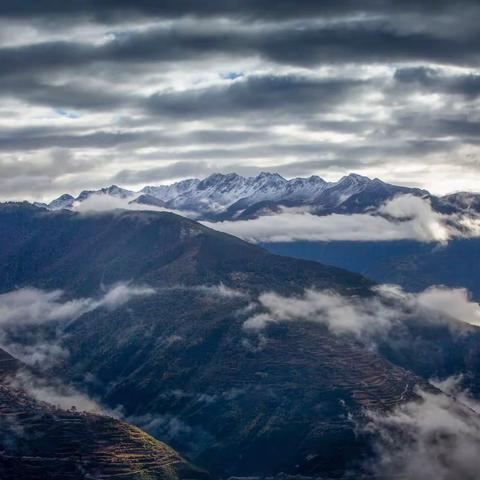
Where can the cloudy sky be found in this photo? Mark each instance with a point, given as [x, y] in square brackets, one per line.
[148, 92]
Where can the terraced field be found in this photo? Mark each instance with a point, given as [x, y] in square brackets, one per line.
[40, 442]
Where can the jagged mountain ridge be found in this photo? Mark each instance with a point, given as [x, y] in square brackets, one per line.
[231, 196]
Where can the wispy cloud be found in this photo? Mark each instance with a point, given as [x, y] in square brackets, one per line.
[56, 393]
[367, 316]
[435, 437]
[98, 203]
[403, 218]
[23, 310]
[30, 306]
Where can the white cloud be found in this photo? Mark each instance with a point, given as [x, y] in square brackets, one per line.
[437, 303]
[98, 203]
[403, 218]
[101, 203]
[422, 221]
[29, 306]
[365, 316]
[55, 393]
[170, 428]
[454, 302]
[435, 437]
[219, 290]
[122, 293]
[340, 314]
[43, 354]
[453, 387]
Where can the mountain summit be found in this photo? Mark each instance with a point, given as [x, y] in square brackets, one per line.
[233, 197]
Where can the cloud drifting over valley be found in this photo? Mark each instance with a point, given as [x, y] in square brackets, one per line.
[433, 437]
[30, 306]
[404, 218]
[99, 203]
[23, 310]
[367, 316]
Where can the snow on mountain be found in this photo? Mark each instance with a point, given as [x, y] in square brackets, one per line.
[167, 193]
[67, 201]
[147, 199]
[112, 190]
[231, 196]
[214, 193]
[63, 201]
[304, 189]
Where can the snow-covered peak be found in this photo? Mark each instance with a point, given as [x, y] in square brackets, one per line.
[63, 201]
[112, 190]
[269, 177]
[220, 182]
[354, 179]
[116, 191]
[169, 192]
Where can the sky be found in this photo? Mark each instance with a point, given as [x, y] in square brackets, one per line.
[140, 93]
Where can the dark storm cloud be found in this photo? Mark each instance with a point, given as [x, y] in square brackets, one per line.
[256, 94]
[114, 9]
[434, 80]
[155, 45]
[374, 42]
[290, 44]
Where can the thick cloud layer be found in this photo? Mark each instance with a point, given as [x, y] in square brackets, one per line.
[96, 93]
[98, 203]
[403, 218]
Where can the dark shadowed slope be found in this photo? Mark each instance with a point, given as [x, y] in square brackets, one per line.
[79, 252]
[413, 265]
[41, 442]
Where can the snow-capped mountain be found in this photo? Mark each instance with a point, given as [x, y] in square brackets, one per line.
[67, 201]
[112, 190]
[232, 196]
[63, 201]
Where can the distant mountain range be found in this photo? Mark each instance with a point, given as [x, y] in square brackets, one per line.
[234, 197]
